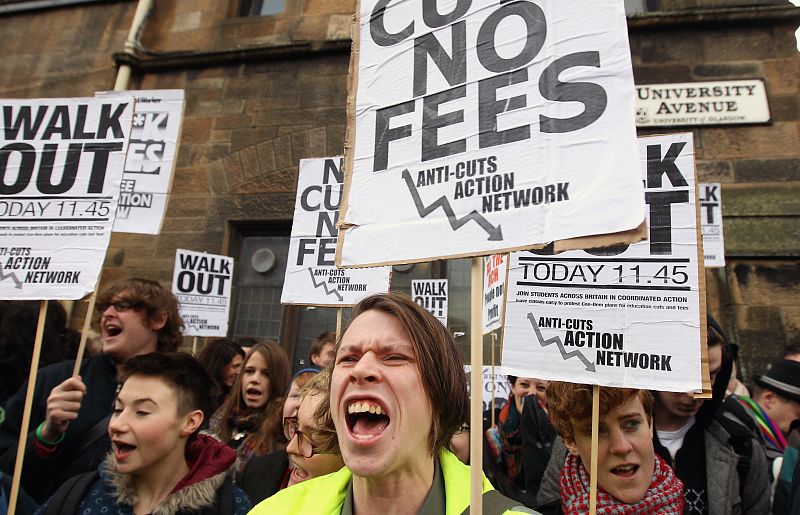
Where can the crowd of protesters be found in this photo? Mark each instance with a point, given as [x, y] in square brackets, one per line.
[376, 424]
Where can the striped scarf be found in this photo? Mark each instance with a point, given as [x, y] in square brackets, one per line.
[663, 497]
[769, 431]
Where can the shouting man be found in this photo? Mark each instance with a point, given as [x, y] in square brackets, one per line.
[70, 414]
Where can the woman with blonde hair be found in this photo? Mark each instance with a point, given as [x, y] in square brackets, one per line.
[250, 420]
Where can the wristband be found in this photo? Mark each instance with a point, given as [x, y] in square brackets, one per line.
[46, 441]
[44, 451]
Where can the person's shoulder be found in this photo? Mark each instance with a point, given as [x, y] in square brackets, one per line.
[723, 433]
[275, 460]
[456, 480]
[57, 372]
[734, 425]
[735, 406]
[241, 503]
[324, 494]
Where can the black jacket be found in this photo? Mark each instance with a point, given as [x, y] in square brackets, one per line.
[262, 475]
[41, 477]
[538, 435]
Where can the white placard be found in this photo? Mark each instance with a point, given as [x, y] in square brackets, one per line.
[488, 127]
[624, 316]
[311, 274]
[60, 169]
[202, 284]
[501, 387]
[495, 268]
[702, 103]
[431, 294]
[150, 162]
[711, 223]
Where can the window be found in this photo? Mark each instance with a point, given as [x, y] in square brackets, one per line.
[260, 271]
[261, 268]
[262, 7]
[633, 7]
[13, 6]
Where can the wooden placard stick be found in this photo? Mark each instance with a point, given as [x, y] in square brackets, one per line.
[87, 324]
[595, 435]
[476, 387]
[338, 323]
[26, 412]
[194, 346]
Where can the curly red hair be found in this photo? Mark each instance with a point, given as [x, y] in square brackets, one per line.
[570, 405]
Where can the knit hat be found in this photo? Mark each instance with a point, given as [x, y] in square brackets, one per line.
[782, 378]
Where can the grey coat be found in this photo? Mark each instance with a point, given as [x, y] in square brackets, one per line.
[722, 477]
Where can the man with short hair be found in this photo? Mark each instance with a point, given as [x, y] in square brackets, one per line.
[322, 350]
[70, 414]
[702, 450]
[775, 404]
[397, 394]
[787, 499]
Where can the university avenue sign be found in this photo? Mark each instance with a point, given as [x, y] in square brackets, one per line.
[702, 103]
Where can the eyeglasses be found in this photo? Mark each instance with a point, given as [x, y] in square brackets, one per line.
[120, 305]
[304, 443]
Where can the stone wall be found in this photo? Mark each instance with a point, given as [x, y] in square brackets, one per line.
[757, 296]
[264, 92]
[245, 130]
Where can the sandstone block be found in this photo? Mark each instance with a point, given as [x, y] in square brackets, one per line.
[766, 283]
[760, 170]
[778, 140]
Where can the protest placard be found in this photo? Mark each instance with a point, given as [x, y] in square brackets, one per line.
[202, 284]
[501, 387]
[150, 161]
[711, 222]
[61, 164]
[431, 294]
[495, 269]
[490, 127]
[311, 274]
[624, 316]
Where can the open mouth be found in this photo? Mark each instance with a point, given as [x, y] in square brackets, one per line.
[253, 392]
[366, 419]
[625, 471]
[113, 330]
[123, 450]
[299, 475]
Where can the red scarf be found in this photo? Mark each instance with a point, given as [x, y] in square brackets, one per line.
[664, 497]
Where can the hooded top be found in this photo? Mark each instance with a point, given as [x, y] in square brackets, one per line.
[690, 460]
[208, 460]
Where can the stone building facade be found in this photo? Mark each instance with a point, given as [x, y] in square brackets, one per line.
[264, 92]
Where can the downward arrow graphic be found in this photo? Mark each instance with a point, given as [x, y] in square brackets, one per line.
[557, 340]
[325, 286]
[495, 233]
[13, 277]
